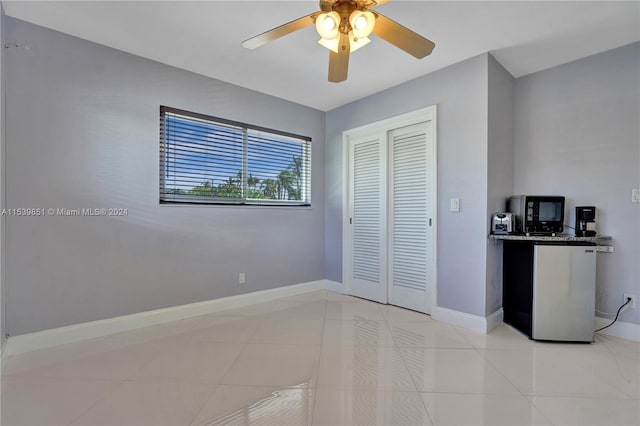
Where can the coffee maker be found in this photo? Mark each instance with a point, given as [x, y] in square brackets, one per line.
[586, 221]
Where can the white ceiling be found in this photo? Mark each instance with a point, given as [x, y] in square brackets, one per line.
[204, 37]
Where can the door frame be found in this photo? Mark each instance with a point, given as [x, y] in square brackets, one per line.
[385, 126]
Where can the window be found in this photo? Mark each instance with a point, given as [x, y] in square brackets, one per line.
[214, 161]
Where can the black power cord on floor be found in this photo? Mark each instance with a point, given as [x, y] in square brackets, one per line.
[617, 314]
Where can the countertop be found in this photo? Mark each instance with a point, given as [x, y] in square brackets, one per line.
[598, 239]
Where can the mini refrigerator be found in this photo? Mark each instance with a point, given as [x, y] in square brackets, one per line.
[564, 291]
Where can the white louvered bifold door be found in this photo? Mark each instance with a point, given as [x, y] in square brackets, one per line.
[411, 246]
[366, 264]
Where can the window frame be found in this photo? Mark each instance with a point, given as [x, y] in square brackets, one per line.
[305, 142]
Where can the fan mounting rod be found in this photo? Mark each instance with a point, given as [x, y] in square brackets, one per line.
[344, 9]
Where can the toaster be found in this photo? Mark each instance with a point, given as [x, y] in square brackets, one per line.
[502, 223]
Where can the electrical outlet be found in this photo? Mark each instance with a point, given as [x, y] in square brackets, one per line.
[635, 195]
[241, 278]
[631, 305]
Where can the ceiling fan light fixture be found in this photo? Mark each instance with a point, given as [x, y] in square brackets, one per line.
[357, 42]
[362, 23]
[354, 43]
[330, 44]
[328, 25]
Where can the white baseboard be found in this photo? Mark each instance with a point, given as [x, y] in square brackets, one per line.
[334, 286]
[623, 330]
[495, 319]
[77, 332]
[3, 356]
[469, 321]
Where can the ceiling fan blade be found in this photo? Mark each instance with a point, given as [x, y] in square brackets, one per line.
[402, 37]
[339, 62]
[280, 31]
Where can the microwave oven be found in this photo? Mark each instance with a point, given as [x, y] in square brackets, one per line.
[537, 214]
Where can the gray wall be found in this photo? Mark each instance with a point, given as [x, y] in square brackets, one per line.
[499, 169]
[83, 129]
[577, 135]
[460, 92]
[3, 219]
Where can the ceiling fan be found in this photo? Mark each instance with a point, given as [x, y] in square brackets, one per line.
[344, 26]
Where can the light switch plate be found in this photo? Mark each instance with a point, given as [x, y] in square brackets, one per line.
[455, 204]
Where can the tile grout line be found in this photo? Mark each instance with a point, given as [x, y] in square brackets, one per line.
[406, 365]
[98, 400]
[217, 385]
[231, 365]
[317, 378]
[520, 393]
[122, 382]
[206, 401]
[479, 352]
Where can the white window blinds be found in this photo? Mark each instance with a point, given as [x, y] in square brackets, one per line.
[215, 161]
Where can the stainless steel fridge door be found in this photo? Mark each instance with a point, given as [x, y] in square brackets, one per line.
[564, 291]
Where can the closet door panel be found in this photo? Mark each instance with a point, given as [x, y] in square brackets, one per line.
[411, 249]
[367, 271]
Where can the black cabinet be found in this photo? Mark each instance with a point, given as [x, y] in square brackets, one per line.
[517, 284]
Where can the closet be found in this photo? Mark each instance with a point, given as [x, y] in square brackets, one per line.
[389, 228]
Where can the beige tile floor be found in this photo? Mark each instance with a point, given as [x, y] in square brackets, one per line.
[323, 359]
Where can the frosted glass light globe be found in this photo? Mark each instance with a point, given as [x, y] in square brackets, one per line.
[328, 24]
[361, 23]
